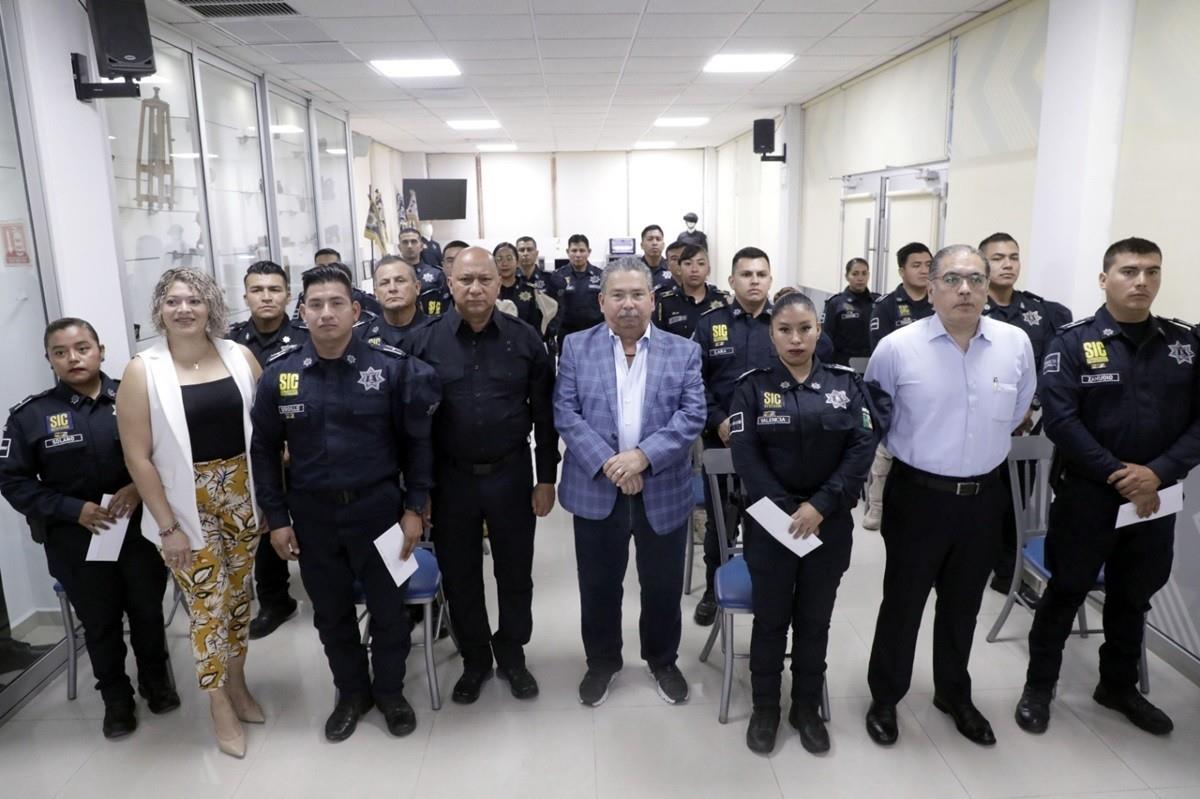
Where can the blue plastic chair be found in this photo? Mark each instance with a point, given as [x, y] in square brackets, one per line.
[1029, 465]
[422, 588]
[732, 587]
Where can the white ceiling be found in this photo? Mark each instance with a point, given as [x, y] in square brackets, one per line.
[568, 74]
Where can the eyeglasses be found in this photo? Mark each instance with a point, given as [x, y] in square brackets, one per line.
[952, 280]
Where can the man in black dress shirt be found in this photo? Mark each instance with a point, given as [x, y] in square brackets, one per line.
[498, 384]
[397, 286]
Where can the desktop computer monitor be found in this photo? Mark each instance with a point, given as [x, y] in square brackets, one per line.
[622, 246]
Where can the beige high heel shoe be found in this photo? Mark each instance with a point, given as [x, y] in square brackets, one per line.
[251, 713]
[235, 746]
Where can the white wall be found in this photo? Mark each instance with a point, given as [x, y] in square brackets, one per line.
[749, 194]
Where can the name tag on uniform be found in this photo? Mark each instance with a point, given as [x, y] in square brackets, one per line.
[716, 352]
[849, 313]
[773, 419]
[291, 411]
[1102, 377]
[676, 319]
[62, 439]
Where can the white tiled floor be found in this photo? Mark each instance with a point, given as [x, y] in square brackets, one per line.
[633, 746]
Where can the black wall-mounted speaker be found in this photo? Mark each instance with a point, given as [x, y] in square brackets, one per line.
[121, 35]
[764, 136]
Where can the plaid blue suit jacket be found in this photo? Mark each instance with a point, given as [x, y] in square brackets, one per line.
[585, 413]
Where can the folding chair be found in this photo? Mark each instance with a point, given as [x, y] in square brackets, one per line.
[74, 639]
[732, 587]
[698, 499]
[1029, 465]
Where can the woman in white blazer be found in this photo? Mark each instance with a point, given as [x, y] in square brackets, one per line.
[183, 414]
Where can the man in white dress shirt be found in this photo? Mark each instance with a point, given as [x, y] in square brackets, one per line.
[953, 387]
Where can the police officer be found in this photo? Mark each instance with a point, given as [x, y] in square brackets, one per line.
[576, 288]
[733, 340]
[59, 457]
[652, 257]
[513, 286]
[434, 296]
[801, 435]
[1024, 309]
[848, 314]
[908, 303]
[527, 261]
[672, 256]
[267, 331]
[498, 386]
[353, 416]
[449, 253]
[1120, 400]
[396, 283]
[678, 309]
[327, 256]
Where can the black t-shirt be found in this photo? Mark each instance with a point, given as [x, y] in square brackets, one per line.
[1136, 331]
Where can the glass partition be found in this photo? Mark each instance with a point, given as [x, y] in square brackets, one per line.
[233, 161]
[333, 172]
[292, 162]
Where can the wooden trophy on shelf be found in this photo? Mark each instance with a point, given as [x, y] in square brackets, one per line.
[155, 178]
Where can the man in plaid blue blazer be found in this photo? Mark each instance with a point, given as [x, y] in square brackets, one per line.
[629, 403]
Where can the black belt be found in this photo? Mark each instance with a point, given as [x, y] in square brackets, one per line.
[344, 496]
[958, 486]
[485, 469]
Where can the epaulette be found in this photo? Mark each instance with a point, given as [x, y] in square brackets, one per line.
[1185, 325]
[284, 350]
[749, 372]
[838, 367]
[670, 292]
[237, 327]
[1077, 323]
[299, 324]
[29, 399]
[1033, 296]
[389, 349]
[715, 310]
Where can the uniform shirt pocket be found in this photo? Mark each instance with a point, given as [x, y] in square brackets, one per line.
[1004, 400]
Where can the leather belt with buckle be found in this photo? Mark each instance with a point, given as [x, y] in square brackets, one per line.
[969, 487]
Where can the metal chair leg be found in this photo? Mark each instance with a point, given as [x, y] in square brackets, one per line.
[68, 617]
[366, 628]
[1144, 664]
[712, 637]
[1083, 622]
[824, 709]
[435, 691]
[727, 677]
[445, 617]
[687, 562]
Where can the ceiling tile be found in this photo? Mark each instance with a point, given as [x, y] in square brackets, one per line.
[700, 6]
[607, 7]
[480, 27]
[356, 69]
[273, 31]
[656, 79]
[377, 29]
[685, 26]
[369, 51]
[251, 55]
[892, 24]
[807, 25]
[661, 64]
[483, 49]
[585, 26]
[925, 6]
[561, 66]
[815, 6]
[856, 46]
[202, 31]
[166, 11]
[769, 44]
[308, 53]
[583, 48]
[826, 63]
[504, 66]
[583, 79]
[506, 81]
[651, 47]
[352, 8]
[471, 7]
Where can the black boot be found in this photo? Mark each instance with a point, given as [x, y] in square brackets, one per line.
[763, 727]
[120, 718]
[808, 722]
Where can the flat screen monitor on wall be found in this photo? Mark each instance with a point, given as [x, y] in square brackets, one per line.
[437, 198]
[622, 246]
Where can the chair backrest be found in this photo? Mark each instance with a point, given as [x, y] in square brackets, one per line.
[1029, 463]
[859, 365]
[718, 469]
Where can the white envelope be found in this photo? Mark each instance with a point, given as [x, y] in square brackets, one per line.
[390, 545]
[776, 522]
[1170, 500]
[107, 545]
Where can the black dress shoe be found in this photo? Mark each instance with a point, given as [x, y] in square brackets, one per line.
[160, 696]
[268, 619]
[764, 725]
[399, 715]
[120, 718]
[17, 655]
[881, 723]
[967, 720]
[466, 690]
[1136, 708]
[808, 722]
[344, 719]
[706, 610]
[520, 681]
[1033, 711]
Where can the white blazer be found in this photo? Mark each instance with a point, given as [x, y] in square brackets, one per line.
[171, 451]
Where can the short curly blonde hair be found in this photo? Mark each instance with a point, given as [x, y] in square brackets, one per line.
[200, 282]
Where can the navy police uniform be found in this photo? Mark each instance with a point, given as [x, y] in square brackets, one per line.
[676, 312]
[894, 311]
[578, 295]
[498, 386]
[660, 276]
[58, 451]
[264, 345]
[1029, 312]
[521, 294]
[351, 425]
[381, 331]
[1112, 394]
[846, 321]
[794, 443]
[538, 279]
[433, 297]
[369, 303]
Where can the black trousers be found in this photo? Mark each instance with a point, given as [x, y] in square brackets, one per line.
[337, 549]
[937, 540]
[271, 577]
[461, 504]
[712, 547]
[1136, 561]
[1006, 557]
[103, 593]
[601, 557]
[799, 593]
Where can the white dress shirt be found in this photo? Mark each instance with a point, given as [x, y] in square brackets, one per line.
[953, 412]
[631, 389]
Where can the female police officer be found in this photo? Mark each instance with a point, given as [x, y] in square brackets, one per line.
[801, 435]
